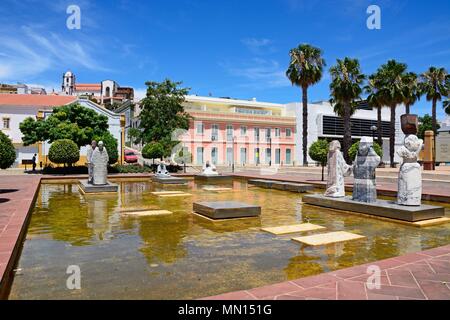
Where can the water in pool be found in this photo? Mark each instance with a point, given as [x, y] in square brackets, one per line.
[183, 256]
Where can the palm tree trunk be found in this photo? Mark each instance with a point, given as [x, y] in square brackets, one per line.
[347, 133]
[305, 125]
[392, 136]
[407, 108]
[380, 127]
[433, 111]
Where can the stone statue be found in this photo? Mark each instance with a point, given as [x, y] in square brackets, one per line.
[90, 151]
[337, 170]
[100, 164]
[410, 175]
[161, 171]
[366, 162]
[209, 169]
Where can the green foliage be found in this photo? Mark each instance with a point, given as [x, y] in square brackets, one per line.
[130, 169]
[306, 65]
[111, 146]
[425, 124]
[64, 151]
[73, 122]
[163, 113]
[183, 156]
[153, 150]
[354, 150]
[134, 134]
[318, 151]
[7, 151]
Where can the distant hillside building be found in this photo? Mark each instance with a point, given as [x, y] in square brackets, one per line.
[107, 92]
[21, 88]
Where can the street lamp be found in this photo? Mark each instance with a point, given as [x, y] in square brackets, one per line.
[270, 148]
[232, 165]
[374, 129]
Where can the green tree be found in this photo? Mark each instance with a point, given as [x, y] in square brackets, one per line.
[354, 150]
[153, 150]
[373, 100]
[446, 105]
[411, 90]
[73, 122]
[346, 89]
[163, 113]
[425, 124]
[111, 146]
[7, 151]
[390, 83]
[134, 134]
[434, 85]
[305, 69]
[318, 151]
[64, 151]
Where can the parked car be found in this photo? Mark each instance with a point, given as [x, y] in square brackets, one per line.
[130, 156]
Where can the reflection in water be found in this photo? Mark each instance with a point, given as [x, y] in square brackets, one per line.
[185, 256]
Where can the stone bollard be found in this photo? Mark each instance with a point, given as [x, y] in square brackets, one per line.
[428, 153]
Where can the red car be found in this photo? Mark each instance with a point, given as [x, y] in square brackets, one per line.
[130, 157]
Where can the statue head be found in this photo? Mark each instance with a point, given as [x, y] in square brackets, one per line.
[100, 145]
[335, 145]
[413, 143]
[93, 144]
[365, 145]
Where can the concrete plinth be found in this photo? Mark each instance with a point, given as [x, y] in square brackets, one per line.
[206, 177]
[278, 185]
[381, 208]
[226, 209]
[85, 187]
[169, 180]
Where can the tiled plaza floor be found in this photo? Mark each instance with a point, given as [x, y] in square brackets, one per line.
[417, 276]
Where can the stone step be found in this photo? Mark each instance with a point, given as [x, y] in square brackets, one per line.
[295, 228]
[328, 238]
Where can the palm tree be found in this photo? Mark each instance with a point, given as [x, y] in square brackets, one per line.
[434, 84]
[412, 92]
[374, 102]
[446, 105]
[390, 82]
[305, 69]
[345, 90]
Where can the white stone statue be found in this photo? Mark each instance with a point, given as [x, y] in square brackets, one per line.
[161, 171]
[100, 164]
[410, 174]
[209, 169]
[364, 167]
[90, 151]
[337, 169]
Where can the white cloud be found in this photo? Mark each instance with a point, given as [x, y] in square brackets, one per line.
[258, 46]
[29, 54]
[139, 93]
[262, 73]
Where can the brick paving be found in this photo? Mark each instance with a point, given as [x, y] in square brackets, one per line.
[417, 276]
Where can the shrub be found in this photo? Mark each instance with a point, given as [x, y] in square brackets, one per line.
[354, 150]
[64, 151]
[111, 146]
[136, 168]
[7, 151]
[318, 151]
[153, 150]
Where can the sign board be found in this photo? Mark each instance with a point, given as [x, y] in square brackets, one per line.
[443, 147]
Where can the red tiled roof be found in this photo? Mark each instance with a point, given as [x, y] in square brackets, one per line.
[36, 100]
[88, 86]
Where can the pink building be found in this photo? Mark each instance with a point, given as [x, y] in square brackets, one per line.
[226, 131]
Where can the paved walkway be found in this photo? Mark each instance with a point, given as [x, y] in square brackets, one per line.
[417, 276]
[17, 195]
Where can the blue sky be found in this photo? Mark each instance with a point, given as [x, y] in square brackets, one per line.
[236, 48]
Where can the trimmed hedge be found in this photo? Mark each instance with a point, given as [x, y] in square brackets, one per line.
[111, 146]
[7, 152]
[354, 150]
[153, 150]
[64, 151]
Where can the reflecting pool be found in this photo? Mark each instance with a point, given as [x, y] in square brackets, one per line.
[183, 256]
